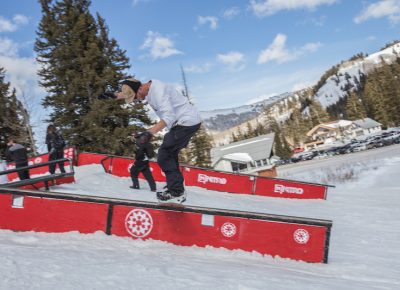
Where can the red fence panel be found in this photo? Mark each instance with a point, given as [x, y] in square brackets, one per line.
[69, 153]
[218, 181]
[289, 189]
[289, 237]
[86, 158]
[121, 167]
[52, 215]
[283, 239]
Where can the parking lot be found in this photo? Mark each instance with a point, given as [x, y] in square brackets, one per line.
[371, 155]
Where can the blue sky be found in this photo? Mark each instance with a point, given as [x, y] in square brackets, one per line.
[233, 52]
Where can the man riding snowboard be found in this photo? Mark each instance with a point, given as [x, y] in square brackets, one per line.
[178, 115]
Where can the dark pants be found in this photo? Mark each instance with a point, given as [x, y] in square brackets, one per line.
[144, 168]
[24, 174]
[174, 141]
[58, 154]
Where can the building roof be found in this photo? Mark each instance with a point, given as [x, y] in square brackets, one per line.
[332, 126]
[367, 123]
[257, 148]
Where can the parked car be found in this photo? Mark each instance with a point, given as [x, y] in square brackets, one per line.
[360, 147]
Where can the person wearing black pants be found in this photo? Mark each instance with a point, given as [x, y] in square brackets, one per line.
[174, 141]
[17, 153]
[144, 152]
[55, 145]
[178, 115]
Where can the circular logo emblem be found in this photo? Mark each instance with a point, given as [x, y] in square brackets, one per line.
[139, 223]
[301, 236]
[37, 160]
[228, 230]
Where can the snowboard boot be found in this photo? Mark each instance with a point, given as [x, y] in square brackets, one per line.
[168, 196]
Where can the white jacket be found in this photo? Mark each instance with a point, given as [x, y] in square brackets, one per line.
[171, 105]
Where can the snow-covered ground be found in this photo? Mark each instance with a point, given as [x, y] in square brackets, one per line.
[364, 247]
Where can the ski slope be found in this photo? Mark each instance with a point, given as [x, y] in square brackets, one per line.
[364, 248]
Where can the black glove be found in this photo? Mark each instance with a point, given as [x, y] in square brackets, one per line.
[107, 96]
[143, 138]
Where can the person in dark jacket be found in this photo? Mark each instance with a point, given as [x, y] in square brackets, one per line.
[144, 151]
[17, 153]
[55, 145]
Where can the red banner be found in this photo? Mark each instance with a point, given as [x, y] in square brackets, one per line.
[218, 181]
[283, 236]
[85, 158]
[287, 240]
[221, 181]
[51, 215]
[289, 189]
[121, 167]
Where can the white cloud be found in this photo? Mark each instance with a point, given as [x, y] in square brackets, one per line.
[270, 7]
[12, 25]
[20, 19]
[159, 46]
[8, 47]
[136, 2]
[382, 8]
[234, 60]
[198, 69]
[278, 52]
[211, 20]
[311, 47]
[231, 13]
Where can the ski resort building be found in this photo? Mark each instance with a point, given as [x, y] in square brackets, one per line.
[367, 126]
[341, 130]
[250, 156]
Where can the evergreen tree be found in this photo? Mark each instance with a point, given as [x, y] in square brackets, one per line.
[80, 61]
[355, 108]
[317, 113]
[373, 97]
[250, 133]
[199, 149]
[13, 118]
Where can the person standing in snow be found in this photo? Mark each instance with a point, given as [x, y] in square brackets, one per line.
[176, 114]
[18, 153]
[144, 151]
[55, 145]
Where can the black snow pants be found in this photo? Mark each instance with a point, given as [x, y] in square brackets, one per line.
[144, 168]
[174, 141]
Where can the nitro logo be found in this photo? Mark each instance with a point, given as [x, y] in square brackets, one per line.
[279, 188]
[212, 179]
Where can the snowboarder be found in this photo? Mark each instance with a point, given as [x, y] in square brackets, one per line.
[18, 153]
[144, 151]
[55, 145]
[178, 115]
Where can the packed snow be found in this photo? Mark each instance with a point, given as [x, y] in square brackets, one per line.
[364, 246]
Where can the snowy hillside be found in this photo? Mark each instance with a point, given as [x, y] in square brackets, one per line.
[222, 119]
[349, 74]
[363, 253]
